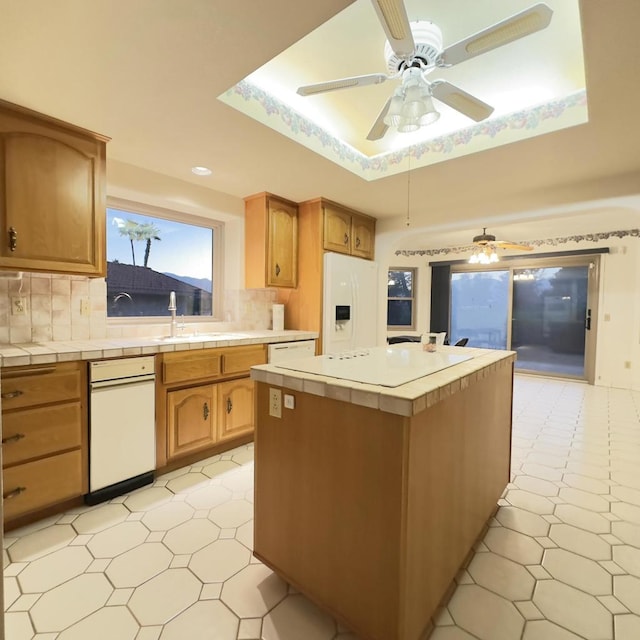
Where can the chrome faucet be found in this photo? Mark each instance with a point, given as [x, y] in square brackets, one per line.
[172, 308]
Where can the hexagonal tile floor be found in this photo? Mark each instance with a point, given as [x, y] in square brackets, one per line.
[560, 560]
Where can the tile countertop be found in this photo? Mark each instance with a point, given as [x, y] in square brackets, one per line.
[13, 355]
[405, 400]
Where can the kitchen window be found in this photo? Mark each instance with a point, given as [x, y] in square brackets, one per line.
[401, 305]
[153, 251]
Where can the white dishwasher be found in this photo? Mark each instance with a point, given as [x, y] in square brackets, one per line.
[282, 351]
[122, 441]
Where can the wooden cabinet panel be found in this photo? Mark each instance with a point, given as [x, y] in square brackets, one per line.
[34, 485]
[282, 255]
[34, 433]
[52, 207]
[191, 419]
[40, 385]
[241, 359]
[193, 365]
[337, 229]
[363, 235]
[235, 408]
[271, 242]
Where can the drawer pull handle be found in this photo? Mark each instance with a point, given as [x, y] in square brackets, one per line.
[346, 239]
[357, 242]
[12, 394]
[14, 438]
[229, 405]
[13, 239]
[277, 269]
[205, 410]
[14, 494]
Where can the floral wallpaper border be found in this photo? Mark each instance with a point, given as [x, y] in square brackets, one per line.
[552, 242]
[307, 132]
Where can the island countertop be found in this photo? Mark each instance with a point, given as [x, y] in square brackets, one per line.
[13, 355]
[405, 399]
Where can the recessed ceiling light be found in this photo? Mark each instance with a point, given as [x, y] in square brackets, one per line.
[201, 171]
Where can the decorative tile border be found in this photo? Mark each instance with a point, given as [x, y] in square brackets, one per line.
[552, 242]
[264, 107]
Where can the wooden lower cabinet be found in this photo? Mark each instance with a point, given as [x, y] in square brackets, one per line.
[32, 485]
[191, 419]
[204, 402]
[44, 439]
[235, 408]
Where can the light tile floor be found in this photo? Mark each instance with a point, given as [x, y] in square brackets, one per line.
[560, 560]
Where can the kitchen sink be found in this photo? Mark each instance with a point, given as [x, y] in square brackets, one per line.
[197, 337]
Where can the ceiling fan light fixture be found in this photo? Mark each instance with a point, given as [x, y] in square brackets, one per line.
[394, 113]
[408, 125]
[430, 115]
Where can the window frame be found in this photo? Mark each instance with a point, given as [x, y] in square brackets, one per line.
[413, 299]
[217, 266]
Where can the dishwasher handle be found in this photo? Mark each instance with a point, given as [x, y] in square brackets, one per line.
[119, 382]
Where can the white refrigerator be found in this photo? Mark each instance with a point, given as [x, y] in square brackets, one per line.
[350, 303]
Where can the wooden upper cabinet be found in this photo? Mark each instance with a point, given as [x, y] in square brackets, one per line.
[337, 229]
[52, 195]
[349, 232]
[271, 242]
[363, 236]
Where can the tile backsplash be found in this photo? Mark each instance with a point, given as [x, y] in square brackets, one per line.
[40, 307]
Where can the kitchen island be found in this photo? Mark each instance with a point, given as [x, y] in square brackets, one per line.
[369, 498]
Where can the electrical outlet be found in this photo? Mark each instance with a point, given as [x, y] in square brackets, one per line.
[18, 306]
[275, 403]
[289, 401]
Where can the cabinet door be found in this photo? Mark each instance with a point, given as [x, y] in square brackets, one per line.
[236, 412]
[191, 419]
[337, 230]
[363, 232]
[52, 197]
[282, 255]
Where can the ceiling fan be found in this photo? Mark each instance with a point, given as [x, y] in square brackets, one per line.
[487, 245]
[487, 239]
[413, 50]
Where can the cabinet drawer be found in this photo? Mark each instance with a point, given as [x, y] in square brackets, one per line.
[40, 385]
[182, 367]
[33, 433]
[37, 484]
[241, 359]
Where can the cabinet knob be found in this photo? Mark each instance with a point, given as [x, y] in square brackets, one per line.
[346, 239]
[13, 239]
[357, 241]
[205, 410]
[229, 405]
[14, 438]
[277, 269]
[12, 394]
[14, 494]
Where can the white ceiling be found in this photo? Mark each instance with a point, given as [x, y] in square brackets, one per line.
[148, 74]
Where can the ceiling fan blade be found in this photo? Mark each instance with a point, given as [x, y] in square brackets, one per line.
[379, 128]
[342, 83]
[460, 100]
[505, 244]
[393, 17]
[521, 24]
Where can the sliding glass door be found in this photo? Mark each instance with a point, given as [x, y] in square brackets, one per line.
[544, 309]
[548, 323]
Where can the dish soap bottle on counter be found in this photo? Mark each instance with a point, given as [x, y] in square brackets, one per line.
[428, 341]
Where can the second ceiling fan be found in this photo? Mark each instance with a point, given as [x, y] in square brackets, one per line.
[413, 50]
